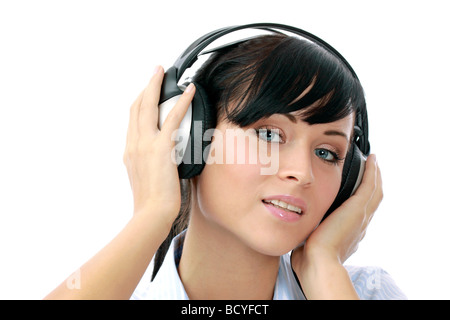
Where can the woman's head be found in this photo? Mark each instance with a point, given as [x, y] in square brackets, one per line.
[294, 95]
[306, 98]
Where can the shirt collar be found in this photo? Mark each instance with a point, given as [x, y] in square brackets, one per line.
[167, 284]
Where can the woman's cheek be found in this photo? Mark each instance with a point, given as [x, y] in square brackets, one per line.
[230, 175]
[328, 187]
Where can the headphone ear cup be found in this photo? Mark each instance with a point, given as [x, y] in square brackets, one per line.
[351, 177]
[203, 118]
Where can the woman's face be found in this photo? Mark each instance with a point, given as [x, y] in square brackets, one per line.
[253, 172]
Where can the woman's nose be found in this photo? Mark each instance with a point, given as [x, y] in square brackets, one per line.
[297, 167]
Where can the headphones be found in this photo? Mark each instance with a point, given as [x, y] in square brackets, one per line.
[190, 155]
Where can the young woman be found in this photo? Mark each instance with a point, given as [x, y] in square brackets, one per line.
[241, 234]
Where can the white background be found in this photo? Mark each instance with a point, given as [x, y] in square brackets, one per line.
[69, 71]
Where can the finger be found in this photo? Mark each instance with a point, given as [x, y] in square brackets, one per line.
[366, 190]
[378, 193]
[376, 198]
[178, 112]
[148, 109]
[133, 121]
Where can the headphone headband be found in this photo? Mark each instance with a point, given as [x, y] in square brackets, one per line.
[189, 56]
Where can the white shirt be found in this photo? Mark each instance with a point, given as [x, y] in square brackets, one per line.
[371, 283]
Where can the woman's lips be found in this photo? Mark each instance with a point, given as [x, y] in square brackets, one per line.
[285, 207]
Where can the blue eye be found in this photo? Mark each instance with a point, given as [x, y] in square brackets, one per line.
[327, 155]
[269, 135]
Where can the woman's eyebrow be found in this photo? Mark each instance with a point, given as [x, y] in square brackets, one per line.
[293, 119]
[335, 133]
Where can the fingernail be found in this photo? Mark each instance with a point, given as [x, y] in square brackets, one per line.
[189, 88]
[156, 70]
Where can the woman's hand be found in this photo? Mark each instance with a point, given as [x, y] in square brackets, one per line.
[115, 271]
[340, 233]
[338, 236]
[152, 173]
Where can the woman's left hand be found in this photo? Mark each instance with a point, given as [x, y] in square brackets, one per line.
[338, 236]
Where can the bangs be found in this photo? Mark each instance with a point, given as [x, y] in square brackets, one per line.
[280, 74]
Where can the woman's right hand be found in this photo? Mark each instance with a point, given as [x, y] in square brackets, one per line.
[152, 173]
[156, 191]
